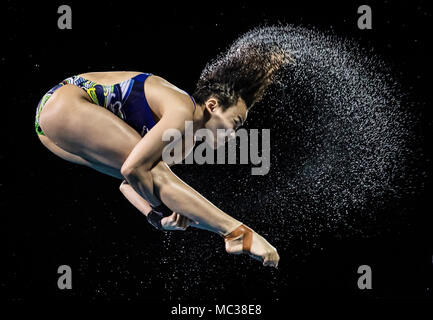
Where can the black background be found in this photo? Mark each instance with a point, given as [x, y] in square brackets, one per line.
[55, 213]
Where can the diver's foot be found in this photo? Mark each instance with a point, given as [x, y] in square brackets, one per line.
[246, 240]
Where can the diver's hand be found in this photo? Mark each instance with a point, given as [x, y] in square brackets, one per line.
[162, 218]
[175, 222]
[246, 240]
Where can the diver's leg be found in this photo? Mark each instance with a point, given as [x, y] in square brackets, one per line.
[77, 159]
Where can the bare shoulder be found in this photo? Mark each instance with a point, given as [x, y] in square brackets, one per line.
[167, 97]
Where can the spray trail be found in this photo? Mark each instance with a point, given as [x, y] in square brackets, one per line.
[343, 137]
[343, 146]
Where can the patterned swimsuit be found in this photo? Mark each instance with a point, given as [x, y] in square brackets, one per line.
[125, 99]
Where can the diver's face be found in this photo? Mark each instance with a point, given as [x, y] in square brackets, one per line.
[230, 119]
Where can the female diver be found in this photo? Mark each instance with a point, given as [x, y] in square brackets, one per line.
[113, 122]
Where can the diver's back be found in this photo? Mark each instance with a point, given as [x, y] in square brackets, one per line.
[109, 77]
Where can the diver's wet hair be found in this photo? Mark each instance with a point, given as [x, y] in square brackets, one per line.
[244, 71]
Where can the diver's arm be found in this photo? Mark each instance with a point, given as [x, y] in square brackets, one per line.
[148, 152]
[155, 182]
[172, 221]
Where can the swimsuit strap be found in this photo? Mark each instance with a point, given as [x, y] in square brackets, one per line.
[195, 106]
